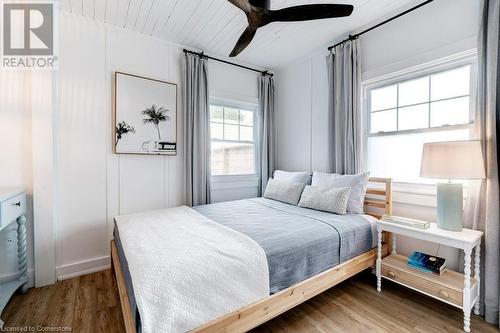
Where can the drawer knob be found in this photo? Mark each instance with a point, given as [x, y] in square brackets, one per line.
[391, 274]
[18, 204]
[444, 294]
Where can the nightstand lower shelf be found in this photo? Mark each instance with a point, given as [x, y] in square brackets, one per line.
[447, 287]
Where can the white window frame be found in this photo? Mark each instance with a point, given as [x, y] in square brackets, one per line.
[238, 180]
[415, 193]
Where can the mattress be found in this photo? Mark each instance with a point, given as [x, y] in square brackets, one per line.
[299, 242]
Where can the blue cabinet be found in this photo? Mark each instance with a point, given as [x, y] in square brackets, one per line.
[13, 210]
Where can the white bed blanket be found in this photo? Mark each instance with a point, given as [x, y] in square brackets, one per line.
[187, 270]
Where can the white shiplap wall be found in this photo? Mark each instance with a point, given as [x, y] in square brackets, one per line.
[93, 183]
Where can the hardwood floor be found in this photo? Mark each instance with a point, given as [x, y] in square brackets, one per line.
[90, 304]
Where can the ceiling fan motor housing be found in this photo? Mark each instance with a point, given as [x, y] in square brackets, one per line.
[261, 3]
[259, 14]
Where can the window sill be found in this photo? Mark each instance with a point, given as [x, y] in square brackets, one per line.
[233, 182]
[417, 194]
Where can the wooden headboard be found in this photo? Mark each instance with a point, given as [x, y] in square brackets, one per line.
[378, 199]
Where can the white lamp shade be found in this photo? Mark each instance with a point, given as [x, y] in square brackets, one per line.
[452, 160]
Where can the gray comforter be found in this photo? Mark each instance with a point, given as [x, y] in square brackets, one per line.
[298, 242]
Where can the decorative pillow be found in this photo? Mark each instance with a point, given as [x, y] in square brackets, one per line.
[328, 199]
[357, 183]
[294, 177]
[287, 192]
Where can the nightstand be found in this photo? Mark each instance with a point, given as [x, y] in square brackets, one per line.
[13, 209]
[459, 290]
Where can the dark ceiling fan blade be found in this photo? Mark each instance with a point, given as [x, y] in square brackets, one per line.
[310, 12]
[243, 41]
[244, 5]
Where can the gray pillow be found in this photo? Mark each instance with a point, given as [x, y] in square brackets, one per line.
[358, 184]
[287, 192]
[328, 199]
[294, 177]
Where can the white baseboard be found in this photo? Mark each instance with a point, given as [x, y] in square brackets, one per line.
[76, 269]
[13, 276]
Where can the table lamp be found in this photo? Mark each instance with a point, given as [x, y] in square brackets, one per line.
[451, 160]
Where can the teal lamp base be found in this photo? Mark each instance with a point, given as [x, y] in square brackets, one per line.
[450, 206]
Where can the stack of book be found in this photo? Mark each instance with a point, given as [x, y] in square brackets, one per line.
[427, 263]
[406, 221]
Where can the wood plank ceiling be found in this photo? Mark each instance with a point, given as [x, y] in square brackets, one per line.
[215, 25]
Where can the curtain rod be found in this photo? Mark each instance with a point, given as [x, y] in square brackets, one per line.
[202, 54]
[355, 36]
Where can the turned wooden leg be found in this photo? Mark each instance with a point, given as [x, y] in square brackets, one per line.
[466, 296]
[379, 259]
[477, 276]
[22, 258]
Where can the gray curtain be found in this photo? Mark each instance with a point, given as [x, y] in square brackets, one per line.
[345, 121]
[267, 129]
[195, 98]
[482, 209]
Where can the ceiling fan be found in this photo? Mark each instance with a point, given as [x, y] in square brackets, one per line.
[259, 14]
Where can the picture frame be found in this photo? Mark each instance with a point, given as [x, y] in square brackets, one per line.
[144, 115]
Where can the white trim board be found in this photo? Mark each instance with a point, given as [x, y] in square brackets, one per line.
[80, 268]
[44, 151]
[431, 60]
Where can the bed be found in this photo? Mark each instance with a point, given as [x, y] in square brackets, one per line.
[307, 252]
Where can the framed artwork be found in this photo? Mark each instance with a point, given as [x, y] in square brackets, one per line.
[145, 116]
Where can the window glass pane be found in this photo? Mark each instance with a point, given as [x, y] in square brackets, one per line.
[216, 113]
[414, 91]
[232, 158]
[230, 132]
[384, 98]
[246, 117]
[216, 131]
[450, 112]
[231, 116]
[451, 83]
[246, 133]
[383, 121]
[413, 117]
[403, 163]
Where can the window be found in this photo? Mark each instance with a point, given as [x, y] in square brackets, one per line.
[232, 134]
[404, 113]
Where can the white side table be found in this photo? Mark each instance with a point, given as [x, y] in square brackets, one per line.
[13, 209]
[459, 290]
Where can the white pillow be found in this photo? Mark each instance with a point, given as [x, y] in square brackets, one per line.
[328, 199]
[357, 183]
[303, 177]
[287, 192]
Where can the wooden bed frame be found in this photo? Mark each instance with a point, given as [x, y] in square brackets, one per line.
[378, 201]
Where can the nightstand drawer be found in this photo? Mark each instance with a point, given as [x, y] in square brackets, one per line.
[447, 287]
[11, 209]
